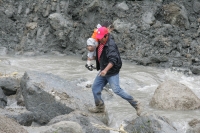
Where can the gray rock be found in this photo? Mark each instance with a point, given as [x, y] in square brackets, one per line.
[48, 96]
[60, 127]
[65, 127]
[194, 130]
[195, 70]
[58, 21]
[158, 59]
[85, 120]
[123, 6]
[9, 85]
[19, 98]
[3, 50]
[196, 6]
[3, 99]
[177, 63]
[176, 14]
[8, 125]
[150, 123]
[9, 12]
[121, 26]
[194, 126]
[148, 17]
[142, 61]
[20, 115]
[172, 95]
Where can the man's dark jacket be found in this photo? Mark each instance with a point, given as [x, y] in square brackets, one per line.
[110, 54]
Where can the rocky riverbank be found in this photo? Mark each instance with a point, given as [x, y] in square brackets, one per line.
[161, 33]
[48, 103]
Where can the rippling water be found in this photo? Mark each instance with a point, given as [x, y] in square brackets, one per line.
[139, 81]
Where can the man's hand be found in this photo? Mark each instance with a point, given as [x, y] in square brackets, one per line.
[103, 73]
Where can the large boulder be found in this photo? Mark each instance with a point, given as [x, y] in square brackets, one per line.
[150, 123]
[173, 95]
[48, 96]
[85, 120]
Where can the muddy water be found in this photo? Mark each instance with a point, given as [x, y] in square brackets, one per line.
[139, 81]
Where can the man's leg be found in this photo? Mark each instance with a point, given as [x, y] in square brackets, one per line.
[97, 87]
[114, 83]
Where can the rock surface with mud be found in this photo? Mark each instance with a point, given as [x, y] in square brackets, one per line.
[162, 33]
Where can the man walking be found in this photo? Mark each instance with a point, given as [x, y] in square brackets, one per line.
[108, 61]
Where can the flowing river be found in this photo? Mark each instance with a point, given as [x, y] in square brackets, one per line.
[139, 81]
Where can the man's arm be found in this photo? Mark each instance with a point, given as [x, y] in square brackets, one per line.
[108, 67]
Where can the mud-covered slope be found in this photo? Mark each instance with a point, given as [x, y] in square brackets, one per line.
[158, 32]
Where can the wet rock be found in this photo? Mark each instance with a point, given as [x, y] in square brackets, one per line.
[176, 14]
[58, 21]
[198, 20]
[85, 120]
[142, 61]
[177, 63]
[121, 26]
[196, 6]
[3, 99]
[8, 125]
[9, 12]
[29, 54]
[84, 56]
[32, 25]
[44, 93]
[195, 70]
[194, 126]
[148, 17]
[47, 10]
[194, 122]
[40, 102]
[60, 127]
[150, 123]
[157, 24]
[92, 6]
[19, 114]
[9, 85]
[172, 95]
[3, 50]
[122, 6]
[158, 59]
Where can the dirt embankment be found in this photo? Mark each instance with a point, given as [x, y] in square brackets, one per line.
[162, 33]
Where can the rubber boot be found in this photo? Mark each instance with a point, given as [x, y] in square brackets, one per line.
[97, 109]
[138, 109]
